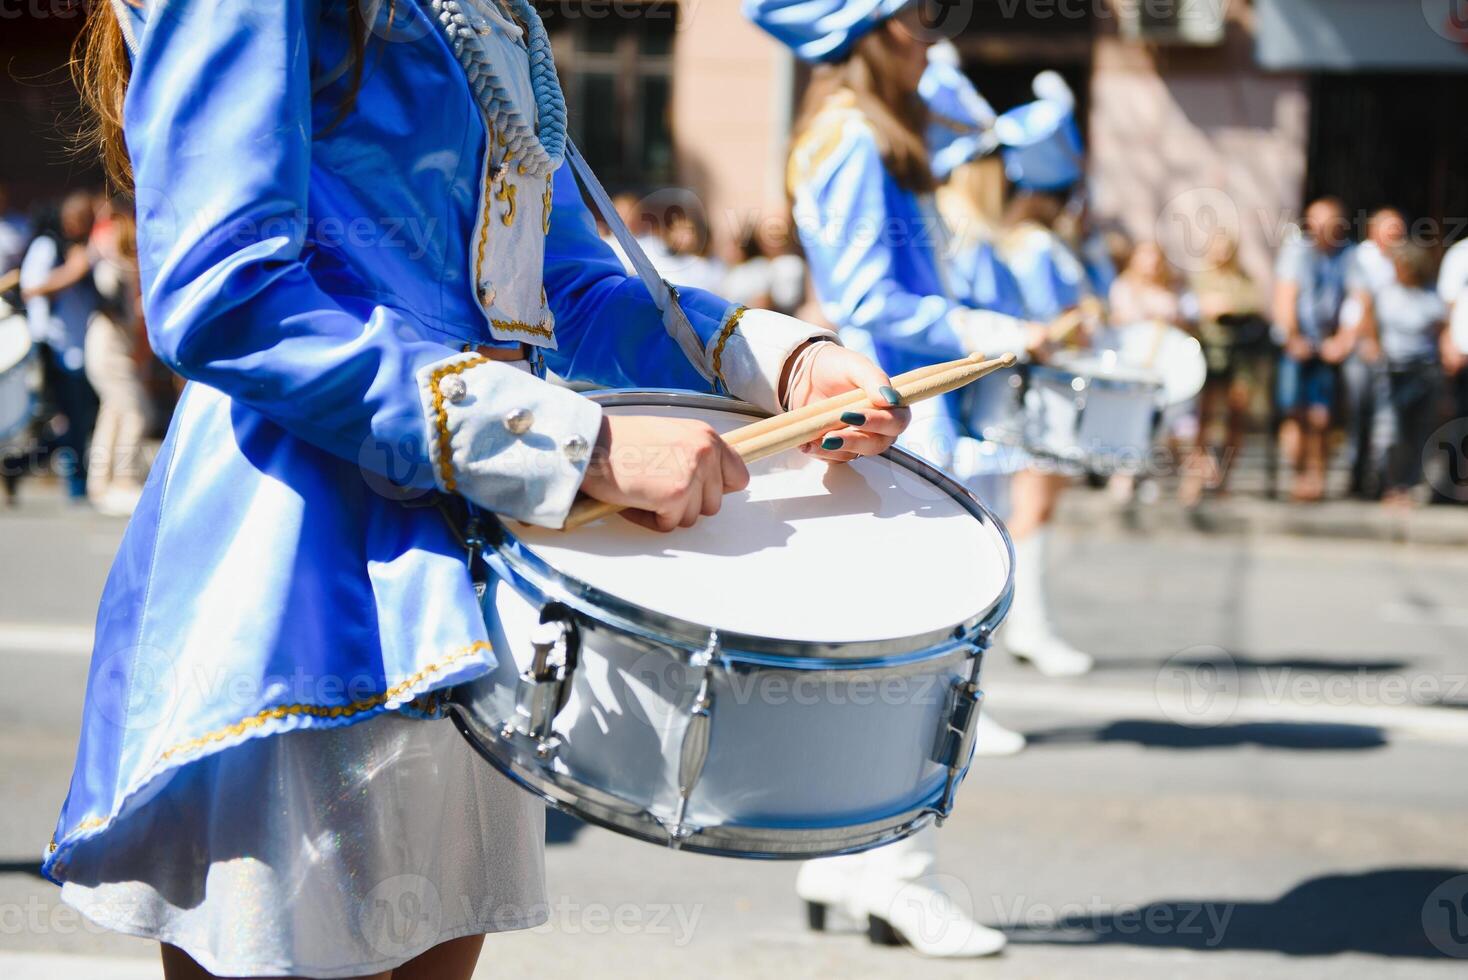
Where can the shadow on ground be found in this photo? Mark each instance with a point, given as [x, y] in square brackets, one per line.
[1417, 913]
[1166, 735]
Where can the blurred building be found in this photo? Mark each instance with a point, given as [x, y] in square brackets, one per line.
[1200, 113]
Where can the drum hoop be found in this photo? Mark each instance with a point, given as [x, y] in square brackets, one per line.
[531, 574]
[734, 841]
[1155, 388]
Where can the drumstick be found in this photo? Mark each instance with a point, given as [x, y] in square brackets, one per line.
[794, 432]
[1064, 325]
[1158, 336]
[851, 398]
[10, 280]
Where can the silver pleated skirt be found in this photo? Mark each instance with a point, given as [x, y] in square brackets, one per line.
[329, 853]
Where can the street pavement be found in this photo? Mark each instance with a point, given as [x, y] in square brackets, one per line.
[1264, 777]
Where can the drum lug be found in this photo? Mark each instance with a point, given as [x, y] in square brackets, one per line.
[543, 686]
[960, 728]
[695, 748]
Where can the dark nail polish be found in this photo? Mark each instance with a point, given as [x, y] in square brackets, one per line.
[853, 418]
[831, 443]
[890, 393]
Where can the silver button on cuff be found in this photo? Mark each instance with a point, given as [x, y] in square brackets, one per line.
[576, 448]
[453, 388]
[519, 421]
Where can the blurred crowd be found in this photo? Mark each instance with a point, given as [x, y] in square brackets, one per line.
[70, 281]
[1349, 362]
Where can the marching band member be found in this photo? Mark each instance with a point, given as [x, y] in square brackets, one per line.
[265, 783]
[1042, 159]
[861, 181]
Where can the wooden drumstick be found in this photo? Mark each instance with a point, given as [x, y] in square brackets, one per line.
[1158, 336]
[846, 401]
[10, 280]
[1063, 326]
[796, 432]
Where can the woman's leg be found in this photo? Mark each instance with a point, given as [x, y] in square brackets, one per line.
[453, 960]
[178, 965]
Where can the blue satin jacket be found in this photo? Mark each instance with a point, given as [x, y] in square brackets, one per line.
[317, 278]
[875, 254]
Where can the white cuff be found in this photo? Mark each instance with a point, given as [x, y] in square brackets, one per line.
[749, 352]
[989, 333]
[506, 440]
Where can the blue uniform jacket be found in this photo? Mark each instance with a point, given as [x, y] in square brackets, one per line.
[317, 279]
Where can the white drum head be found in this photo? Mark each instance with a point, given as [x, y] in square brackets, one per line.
[15, 341]
[1176, 358]
[809, 552]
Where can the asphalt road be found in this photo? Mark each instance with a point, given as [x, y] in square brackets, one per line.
[1265, 777]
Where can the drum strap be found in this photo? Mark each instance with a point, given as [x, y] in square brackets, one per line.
[664, 294]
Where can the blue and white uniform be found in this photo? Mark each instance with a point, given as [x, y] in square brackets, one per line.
[326, 281]
[875, 251]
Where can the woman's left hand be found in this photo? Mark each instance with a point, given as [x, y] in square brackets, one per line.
[825, 370]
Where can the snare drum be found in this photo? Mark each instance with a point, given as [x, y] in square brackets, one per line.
[1084, 408]
[1080, 408]
[1160, 349]
[745, 687]
[17, 401]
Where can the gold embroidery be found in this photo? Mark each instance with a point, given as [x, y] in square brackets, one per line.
[516, 326]
[724, 336]
[484, 219]
[506, 194]
[319, 711]
[545, 215]
[311, 710]
[441, 418]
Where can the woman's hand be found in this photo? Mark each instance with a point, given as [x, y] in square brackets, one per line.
[823, 370]
[669, 472]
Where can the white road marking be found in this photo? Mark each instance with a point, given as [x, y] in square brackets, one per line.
[51, 640]
[50, 966]
[1418, 721]
[1401, 612]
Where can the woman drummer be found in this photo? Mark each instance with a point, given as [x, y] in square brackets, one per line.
[362, 271]
[861, 181]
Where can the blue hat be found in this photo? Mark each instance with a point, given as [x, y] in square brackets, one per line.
[961, 126]
[820, 30]
[1042, 146]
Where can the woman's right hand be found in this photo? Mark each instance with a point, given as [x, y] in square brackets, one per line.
[668, 472]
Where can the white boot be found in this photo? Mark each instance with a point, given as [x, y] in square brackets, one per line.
[922, 915]
[1027, 634]
[993, 739]
[895, 893]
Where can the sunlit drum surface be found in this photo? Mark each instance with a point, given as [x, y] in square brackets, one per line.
[862, 551]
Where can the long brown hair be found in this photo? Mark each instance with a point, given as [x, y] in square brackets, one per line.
[101, 71]
[897, 114]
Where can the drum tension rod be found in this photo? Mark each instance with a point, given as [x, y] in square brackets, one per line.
[695, 748]
[543, 686]
[960, 726]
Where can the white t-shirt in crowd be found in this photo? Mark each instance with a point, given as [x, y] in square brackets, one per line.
[1452, 278]
[1408, 319]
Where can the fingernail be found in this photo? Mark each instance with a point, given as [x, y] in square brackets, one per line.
[853, 418]
[890, 393]
[831, 443]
